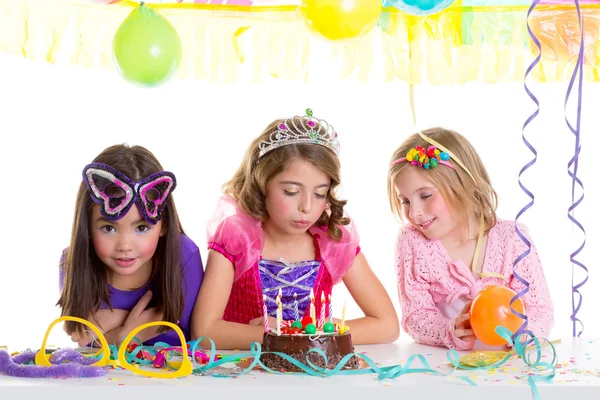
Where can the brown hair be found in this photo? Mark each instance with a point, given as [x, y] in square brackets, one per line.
[470, 199]
[249, 183]
[85, 285]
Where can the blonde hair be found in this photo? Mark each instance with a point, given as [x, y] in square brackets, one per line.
[248, 187]
[469, 198]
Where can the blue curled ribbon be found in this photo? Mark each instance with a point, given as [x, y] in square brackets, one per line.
[541, 371]
[574, 161]
[389, 372]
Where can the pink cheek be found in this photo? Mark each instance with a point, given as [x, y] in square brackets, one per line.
[102, 248]
[321, 208]
[148, 247]
[439, 207]
[282, 205]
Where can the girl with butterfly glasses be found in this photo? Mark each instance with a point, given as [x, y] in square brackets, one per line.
[129, 261]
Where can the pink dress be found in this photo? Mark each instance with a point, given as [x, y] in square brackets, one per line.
[240, 238]
[433, 288]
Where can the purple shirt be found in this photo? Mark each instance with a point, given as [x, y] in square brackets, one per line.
[193, 273]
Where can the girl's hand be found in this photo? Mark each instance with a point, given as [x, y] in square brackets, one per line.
[462, 325]
[260, 321]
[107, 320]
[139, 316]
[87, 336]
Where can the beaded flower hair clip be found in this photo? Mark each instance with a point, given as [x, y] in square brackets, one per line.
[429, 158]
[301, 130]
[116, 193]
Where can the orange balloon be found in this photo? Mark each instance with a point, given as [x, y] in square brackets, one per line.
[490, 308]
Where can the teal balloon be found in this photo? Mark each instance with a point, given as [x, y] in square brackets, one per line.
[146, 48]
[420, 7]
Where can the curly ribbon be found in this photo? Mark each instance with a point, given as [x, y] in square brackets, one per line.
[311, 369]
[529, 350]
[539, 371]
[574, 161]
[532, 356]
[522, 329]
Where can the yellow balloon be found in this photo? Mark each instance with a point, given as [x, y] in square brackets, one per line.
[341, 19]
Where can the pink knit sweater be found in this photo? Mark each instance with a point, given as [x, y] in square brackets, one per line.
[427, 277]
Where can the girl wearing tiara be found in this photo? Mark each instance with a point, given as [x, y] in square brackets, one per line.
[281, 226]
[129, 261]
[453, 245]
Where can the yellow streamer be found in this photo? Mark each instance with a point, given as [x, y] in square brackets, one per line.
[222, 43]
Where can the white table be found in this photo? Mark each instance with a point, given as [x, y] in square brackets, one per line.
[577, 378]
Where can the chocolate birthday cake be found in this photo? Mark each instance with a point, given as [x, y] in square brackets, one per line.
[296, 343]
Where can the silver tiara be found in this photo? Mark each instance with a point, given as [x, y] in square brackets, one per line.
[301, 130]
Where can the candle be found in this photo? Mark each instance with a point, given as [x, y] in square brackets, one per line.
[330, 310]
[313, 314]
[343, 323]
[278, 316]
[322, 313]
[279, 297]
[265, 314]
[296, 315]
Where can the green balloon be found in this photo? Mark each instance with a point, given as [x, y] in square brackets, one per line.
[146, 47]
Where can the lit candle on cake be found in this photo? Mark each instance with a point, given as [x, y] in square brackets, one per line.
[280, 315]
[296, 315]
[265, 314]
[313, 313]
[322, 313]
[343, 323]
[330, 310]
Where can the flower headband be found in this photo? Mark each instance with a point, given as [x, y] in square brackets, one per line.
[429, 158]
[418, 156]
[116, 193]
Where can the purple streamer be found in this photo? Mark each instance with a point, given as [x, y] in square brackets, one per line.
[14, 366]
[71, 355]
[574, 161]
[522, 329]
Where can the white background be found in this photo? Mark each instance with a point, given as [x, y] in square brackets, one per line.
[56, 119]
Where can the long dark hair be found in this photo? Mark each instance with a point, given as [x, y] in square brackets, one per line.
[85, 284]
